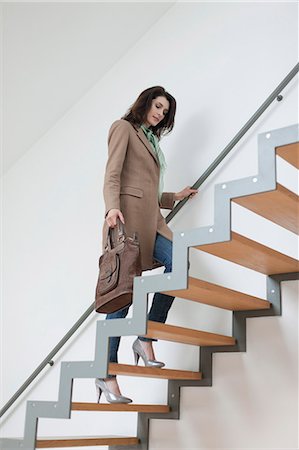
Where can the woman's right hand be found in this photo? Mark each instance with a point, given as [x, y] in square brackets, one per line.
[112, 216]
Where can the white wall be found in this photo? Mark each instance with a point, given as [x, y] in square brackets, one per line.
[74, 44]
[220, 61]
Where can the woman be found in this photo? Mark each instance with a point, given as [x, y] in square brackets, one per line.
[134, 194]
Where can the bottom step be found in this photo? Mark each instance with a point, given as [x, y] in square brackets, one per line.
[51, 442]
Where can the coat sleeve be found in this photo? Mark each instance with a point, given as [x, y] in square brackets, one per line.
[167, 200]
[118, 139]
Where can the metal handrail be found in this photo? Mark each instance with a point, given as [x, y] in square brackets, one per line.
[48, 360]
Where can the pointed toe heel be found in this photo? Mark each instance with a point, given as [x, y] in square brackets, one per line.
[139, 352]
[101, 386]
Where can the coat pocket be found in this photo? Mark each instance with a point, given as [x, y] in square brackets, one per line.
[129, 190]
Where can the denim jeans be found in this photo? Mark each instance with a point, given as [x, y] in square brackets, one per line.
[161, 302]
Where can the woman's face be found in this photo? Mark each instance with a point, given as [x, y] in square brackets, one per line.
[159, 109]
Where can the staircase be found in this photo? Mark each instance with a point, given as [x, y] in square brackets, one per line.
[259, 193]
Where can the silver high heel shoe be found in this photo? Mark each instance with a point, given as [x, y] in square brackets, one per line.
[138, 351]
[101, 386]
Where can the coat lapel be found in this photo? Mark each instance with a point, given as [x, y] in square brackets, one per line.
[146, 142]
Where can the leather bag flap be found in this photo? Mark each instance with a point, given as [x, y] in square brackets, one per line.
[109, 272]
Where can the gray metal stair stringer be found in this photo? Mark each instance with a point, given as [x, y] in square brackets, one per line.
[206, 357]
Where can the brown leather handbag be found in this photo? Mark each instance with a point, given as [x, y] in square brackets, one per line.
[118, 265]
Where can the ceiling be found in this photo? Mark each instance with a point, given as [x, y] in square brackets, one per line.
[53, 53]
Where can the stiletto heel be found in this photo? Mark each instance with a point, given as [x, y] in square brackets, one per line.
[101, 386]
[138, 351]
[99, 393]
[136, 357]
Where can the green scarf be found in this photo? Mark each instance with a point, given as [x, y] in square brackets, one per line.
[153, 139]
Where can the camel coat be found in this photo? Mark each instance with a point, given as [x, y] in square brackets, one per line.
[131, 185]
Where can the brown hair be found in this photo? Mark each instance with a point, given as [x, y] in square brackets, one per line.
[137, 113]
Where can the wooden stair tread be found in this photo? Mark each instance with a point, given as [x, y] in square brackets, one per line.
[290, 153]
[281, 206]
[153, 372]
[131, 407]
[88, 441]
[219, 296]
[186, 335]
[248, 253]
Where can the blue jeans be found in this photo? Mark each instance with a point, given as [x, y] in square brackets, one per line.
[161, 302]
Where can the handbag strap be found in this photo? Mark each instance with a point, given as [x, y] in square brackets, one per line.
[115, 235]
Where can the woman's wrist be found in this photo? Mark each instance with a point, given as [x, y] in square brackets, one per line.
[177, 196]
[187, 192]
